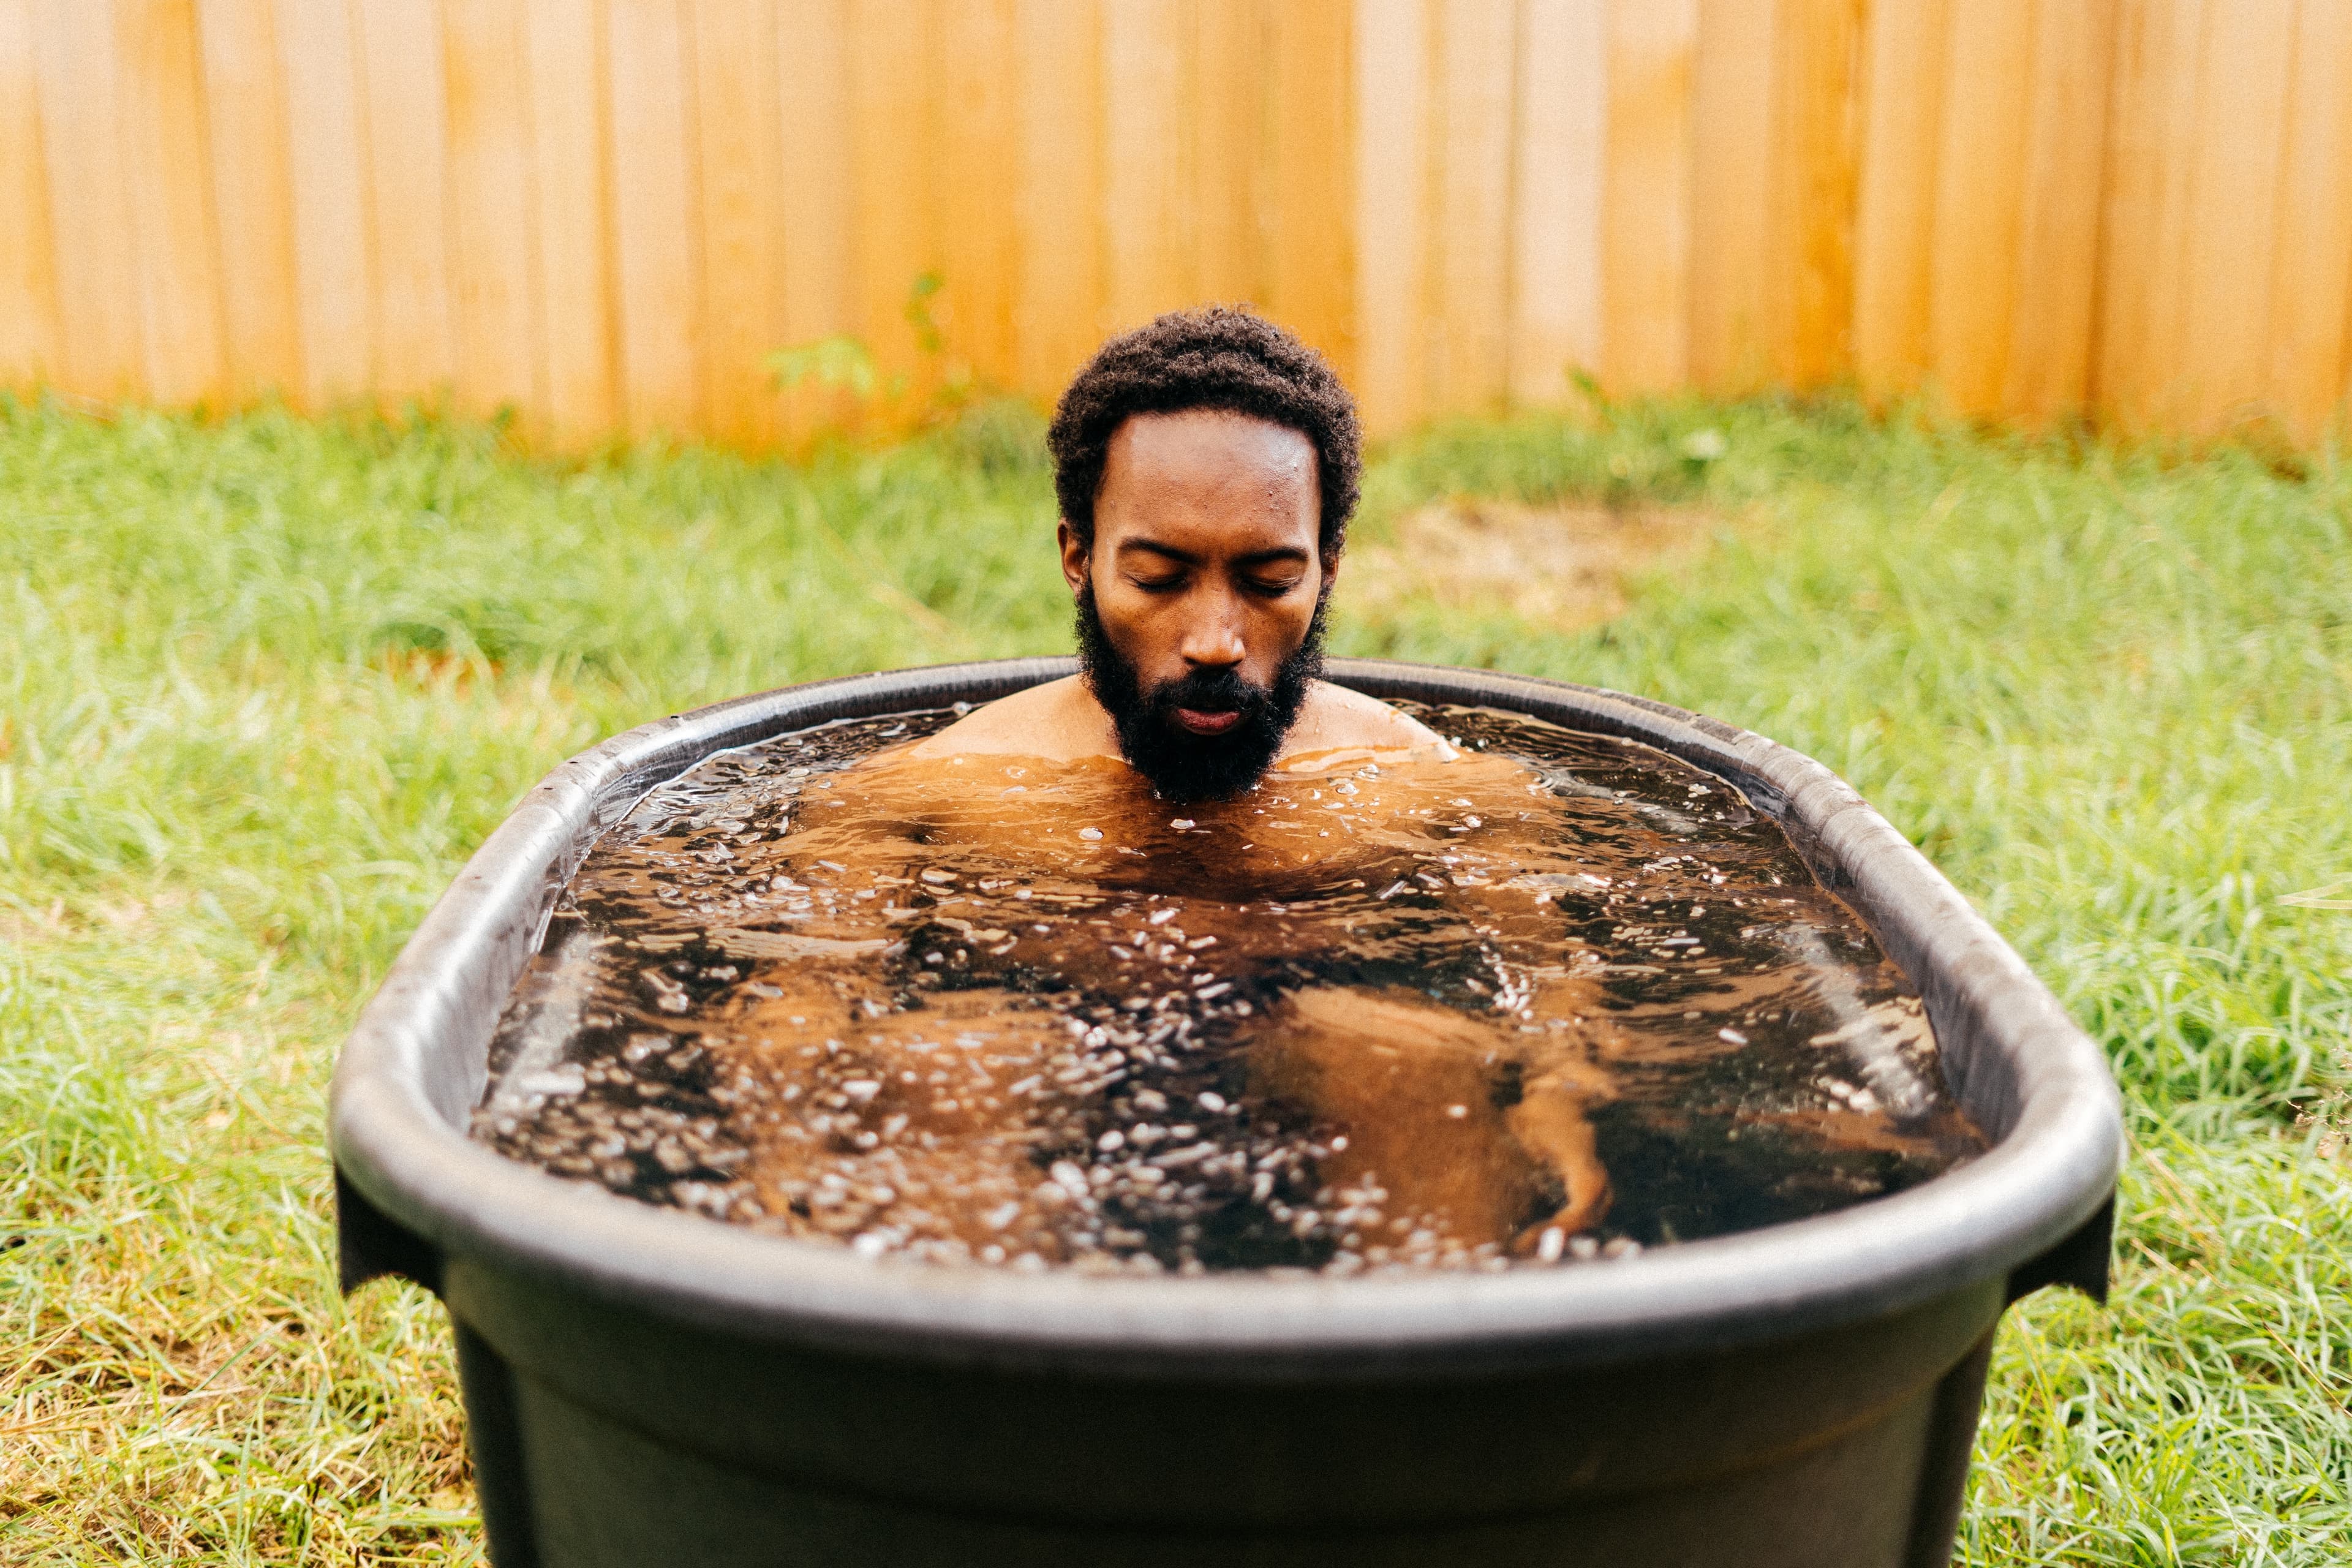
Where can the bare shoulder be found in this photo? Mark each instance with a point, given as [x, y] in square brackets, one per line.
[1059, 721]
[1334, 717]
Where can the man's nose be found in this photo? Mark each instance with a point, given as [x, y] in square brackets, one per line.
[1214, 639]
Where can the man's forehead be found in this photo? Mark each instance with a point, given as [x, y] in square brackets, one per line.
[1209, 445]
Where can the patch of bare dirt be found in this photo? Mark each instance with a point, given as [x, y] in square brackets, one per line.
[436, 667]
[2332, 1118]
[1563, 566]
[24, 925]
[2331, 1114]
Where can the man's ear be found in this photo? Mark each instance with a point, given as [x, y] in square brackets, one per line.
[1330, 569]
[1077, 557]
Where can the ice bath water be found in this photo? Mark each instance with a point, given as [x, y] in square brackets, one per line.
[1559, 998]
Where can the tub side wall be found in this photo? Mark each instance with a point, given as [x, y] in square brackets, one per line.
[795, 1432]
[413, 1067]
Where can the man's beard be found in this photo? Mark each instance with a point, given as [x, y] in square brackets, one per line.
[1179, 764]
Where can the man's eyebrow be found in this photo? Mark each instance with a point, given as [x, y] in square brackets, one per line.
[1153, 547]
[1280, 553]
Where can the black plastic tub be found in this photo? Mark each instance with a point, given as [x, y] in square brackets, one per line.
[644, 1386]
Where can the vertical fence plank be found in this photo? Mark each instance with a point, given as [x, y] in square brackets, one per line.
[2311, 285]
[2181, 84]
[571, 212]
[1980, 190]
[1645, 204]
[1393, 148]
[976, 120]
[891, 59]
[1313, 242]
[165, 159]
[2049, 371]
[655, 207]
[1147, 210]
[740, 138]
[326, 144]
[1470, 285]
[1060, 292]
[2128, 263]
[2233, 219]
[1230, 55]
[407, 139]
[816, 208]
[493, 249]
[1816, 171]
[1561, 110]
[245, 112]
[96, 246]
[28, 289]
[1894, 214]
[1735, 289]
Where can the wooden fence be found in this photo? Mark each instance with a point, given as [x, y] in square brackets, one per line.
[608, 213]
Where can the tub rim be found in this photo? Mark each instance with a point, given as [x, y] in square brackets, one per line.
[413, 1190]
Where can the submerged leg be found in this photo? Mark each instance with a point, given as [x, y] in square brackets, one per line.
[1551, 1123]
[1411, 1085]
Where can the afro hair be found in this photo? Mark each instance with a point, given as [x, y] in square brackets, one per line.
[1222, 357]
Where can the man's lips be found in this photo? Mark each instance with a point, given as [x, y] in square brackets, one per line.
[1200, 721]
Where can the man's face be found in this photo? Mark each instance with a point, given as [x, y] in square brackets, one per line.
[1200, 603]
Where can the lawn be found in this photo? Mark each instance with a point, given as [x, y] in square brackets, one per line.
[265, 683]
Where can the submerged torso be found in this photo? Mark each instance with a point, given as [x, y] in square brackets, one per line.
[1403, 1008]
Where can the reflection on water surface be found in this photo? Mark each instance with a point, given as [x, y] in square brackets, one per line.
[1560, 997]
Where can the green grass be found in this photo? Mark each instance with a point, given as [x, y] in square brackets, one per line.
[264, 684]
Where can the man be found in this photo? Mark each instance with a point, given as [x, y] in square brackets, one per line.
[1206, 466]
